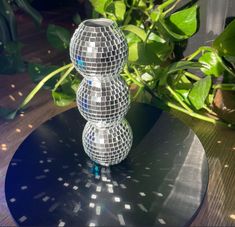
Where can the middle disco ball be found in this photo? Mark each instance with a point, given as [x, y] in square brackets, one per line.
[103, 102]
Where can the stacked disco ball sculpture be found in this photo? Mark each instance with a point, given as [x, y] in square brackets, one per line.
[98, 51]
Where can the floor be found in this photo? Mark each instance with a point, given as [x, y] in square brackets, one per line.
[218, 208]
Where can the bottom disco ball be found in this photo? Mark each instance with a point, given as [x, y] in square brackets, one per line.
[107, 145]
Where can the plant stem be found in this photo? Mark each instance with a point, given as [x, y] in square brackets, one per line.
[175, 95]
[192, 114]
[129, 13]
[223, 64]
[197, 52]
[137, 93]
[209, 110]
[63, 77]
[41, 83]
[226, 87]
[165, 4]
[172, 7]
[132, 78]
[192, 76]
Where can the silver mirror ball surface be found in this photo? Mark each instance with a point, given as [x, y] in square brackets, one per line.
[98, 51]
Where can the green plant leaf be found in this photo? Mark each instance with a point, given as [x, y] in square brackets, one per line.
[70, 86]
[37, 72]
[11, 61]
[4, 31]
[224, 43]
[131, 38]
[8, 114]
[182, 24]
[61, 99]
[7, 12]
[155, 14]
[161, 50]
[136, 30]
[58, 36]
[77, 19]
[141, 53]
[118, 8]
[182, 87]
[100, 5]
[199, 92]
[212, 66]
[142, 4]
[13, 47]
[24, 5]
[182, 65]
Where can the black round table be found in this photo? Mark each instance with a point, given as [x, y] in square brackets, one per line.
[52, 182]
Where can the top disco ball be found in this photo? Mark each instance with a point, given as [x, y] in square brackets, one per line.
[98, 49]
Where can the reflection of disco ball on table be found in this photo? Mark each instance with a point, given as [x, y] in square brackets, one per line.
[98, 51]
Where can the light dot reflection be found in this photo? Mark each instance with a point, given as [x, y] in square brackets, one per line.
[3, 147]
[232, 216]
[30, 125]
[18, 130]
[12, 98]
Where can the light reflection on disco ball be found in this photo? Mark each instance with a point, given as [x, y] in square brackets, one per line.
[104, 102]
[98, 49]
[108, 145]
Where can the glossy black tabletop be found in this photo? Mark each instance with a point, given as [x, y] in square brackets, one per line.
[52, 182]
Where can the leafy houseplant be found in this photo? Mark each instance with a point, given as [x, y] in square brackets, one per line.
[154, 73]
[10, 48]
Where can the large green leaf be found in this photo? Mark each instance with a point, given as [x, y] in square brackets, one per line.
[58, 36]
[143, 54]
[136, 30]
[224, 43]
[37, 72]
[161, 50]
[100, 5]
[199, 92]
[24, 5]
[212, 65]
[182, 24]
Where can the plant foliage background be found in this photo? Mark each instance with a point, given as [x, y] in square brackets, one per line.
[155, 72]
